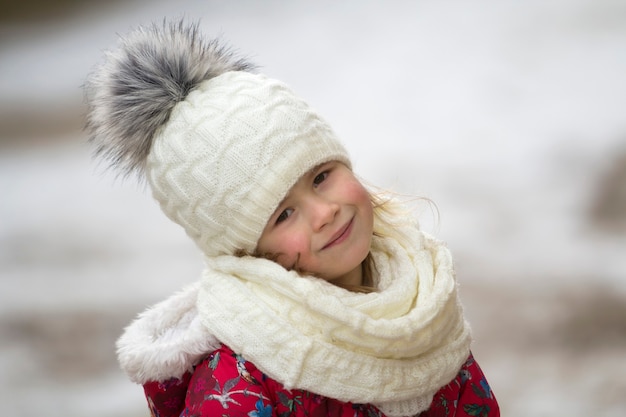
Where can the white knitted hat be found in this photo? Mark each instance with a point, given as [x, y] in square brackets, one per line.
[220, 146]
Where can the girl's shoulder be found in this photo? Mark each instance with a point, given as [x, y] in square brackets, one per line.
[469, 394]
[221, 383]
[226, 383]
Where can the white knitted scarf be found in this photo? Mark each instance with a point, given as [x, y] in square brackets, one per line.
[393, 348]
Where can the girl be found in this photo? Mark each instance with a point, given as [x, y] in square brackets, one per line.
[317, 299]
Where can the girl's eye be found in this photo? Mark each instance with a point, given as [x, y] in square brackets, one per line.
[283, 216]
[319, 178]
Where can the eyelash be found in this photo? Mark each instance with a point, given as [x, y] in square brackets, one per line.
[319, 178]
[283, 216]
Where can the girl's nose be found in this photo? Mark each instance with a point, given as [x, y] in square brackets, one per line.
[323, 212]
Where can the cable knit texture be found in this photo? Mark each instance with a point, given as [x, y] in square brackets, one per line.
[393, 348]
[219, 145]
[229, 154]
[221, 148]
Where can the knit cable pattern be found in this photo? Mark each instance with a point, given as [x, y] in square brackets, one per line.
[393, 348]
[230, 153]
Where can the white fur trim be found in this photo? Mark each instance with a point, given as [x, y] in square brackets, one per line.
[166, 340]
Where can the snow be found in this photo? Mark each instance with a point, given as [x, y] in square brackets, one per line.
[505, 114]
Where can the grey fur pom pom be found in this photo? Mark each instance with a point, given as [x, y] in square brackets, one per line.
[132, 93]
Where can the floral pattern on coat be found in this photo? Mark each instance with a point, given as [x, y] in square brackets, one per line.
[225, 384]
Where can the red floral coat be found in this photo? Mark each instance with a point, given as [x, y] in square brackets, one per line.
[225, 384]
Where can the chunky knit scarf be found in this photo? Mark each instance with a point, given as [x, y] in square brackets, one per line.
[393, 348]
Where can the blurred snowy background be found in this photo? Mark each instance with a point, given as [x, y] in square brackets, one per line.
[510, 116]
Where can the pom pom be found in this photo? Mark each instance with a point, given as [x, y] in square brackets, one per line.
[132, 93]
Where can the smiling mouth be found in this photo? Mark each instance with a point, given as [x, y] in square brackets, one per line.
[341, 235]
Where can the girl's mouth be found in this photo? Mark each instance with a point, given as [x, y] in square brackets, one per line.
[341, 235]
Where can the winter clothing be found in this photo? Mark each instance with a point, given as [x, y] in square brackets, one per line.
[220, 148]
[226, 384]
[224, 147]
[409, 337]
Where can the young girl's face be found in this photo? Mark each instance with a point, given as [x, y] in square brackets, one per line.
[323, 226]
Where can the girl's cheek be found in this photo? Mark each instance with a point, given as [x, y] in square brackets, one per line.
[284, 261]
[294, 244]
[358, 193]
[288, 246]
